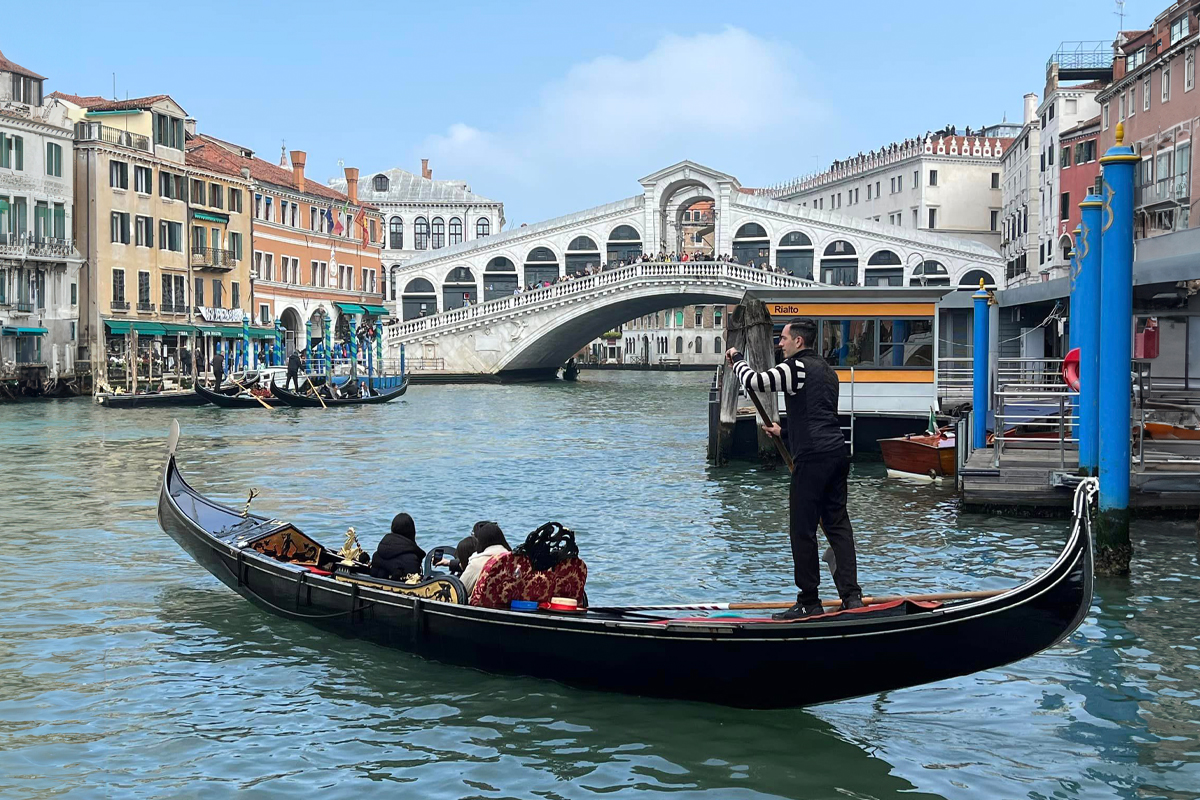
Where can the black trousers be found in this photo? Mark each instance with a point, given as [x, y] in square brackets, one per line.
[218, 376]
[818, 495]
[293, 378]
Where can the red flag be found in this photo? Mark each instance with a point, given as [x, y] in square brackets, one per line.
[361, 219]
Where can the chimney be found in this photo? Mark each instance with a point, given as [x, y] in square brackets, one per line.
[1030, 107]
[189, 124]
[352, 185]
[298, 157]
[425, 171]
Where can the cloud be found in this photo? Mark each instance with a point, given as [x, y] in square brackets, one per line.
[728, 99]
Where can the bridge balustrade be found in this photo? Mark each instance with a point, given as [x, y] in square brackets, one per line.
[589, 283]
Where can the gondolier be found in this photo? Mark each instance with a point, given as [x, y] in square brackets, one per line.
[818, 448]
[293, 371]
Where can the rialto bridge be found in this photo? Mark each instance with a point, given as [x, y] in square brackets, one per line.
[686, 207]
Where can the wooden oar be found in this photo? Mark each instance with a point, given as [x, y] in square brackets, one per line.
[313, 390]
[779, 445]
[938, 596]
[252, 394]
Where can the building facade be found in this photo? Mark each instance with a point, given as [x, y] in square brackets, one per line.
[421, 214]
[1153, 94]
[688, 336]
[1064, 106]
[39, 264]
[943, 182]
[315, 256]
[1021, 197]
[1079, 170]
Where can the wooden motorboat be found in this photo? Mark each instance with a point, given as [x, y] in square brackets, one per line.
[927, 456]
[149, 399]
[311, 401]
[737, 661]
[235, 398]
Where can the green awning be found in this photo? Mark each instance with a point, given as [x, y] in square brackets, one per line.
[210, 216]
[378, 311]
[262, 333]
[178, 327]
[123, 326]
[350, 308]
[24, 331]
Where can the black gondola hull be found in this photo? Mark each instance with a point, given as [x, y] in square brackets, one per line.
[234, 400]
[757, 665]
[308, 401]
[150, 399]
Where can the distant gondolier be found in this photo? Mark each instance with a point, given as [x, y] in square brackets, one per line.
[293, 371]
[818, 447]
[218, 368]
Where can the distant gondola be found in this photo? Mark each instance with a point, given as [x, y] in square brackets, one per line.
[750, 662]
[149, 399]
[239, 400]
[310, 401]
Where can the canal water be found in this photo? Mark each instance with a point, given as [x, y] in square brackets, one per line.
[126, 671]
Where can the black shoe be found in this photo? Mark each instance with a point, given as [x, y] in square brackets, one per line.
[800, 611]
[852, 602]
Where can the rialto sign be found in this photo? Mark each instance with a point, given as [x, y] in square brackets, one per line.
[221, 314]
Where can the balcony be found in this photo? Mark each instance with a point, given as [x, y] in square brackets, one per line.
[145, 307]
[213, 258]
[1083, 61]
[120, 305]
[177, 308]
[27, 245]
[95, 132]
[24, 306]
[1167, 191]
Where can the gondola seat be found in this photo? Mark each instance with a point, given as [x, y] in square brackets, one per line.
[510, 577]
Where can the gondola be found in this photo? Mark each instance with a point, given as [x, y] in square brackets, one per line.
[149, 399]
[747, 662]
[239, 400]
[309, 401]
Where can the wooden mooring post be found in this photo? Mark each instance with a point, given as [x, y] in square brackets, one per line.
[750, 330]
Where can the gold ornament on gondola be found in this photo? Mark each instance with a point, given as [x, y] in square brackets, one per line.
[250, 499]
[351, 549]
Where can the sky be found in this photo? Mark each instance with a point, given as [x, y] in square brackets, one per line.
[552, 108]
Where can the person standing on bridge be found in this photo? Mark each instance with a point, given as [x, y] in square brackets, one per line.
[818, 448]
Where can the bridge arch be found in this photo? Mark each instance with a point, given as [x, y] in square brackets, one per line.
[794, 255]
[624, 243]
[419, 300]
[752, 242]
[884, 268]
[541, 266]
[970, 279]
[499, 278]
[930, 273]
[839, 264]
[459, 288]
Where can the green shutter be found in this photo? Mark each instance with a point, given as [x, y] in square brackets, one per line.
[20, 159]
[4, 151]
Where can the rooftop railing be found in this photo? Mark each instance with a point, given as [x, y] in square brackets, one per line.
[95, 132]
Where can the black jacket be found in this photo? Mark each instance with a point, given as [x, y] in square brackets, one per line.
[396, 557]
[810, 396]
[293, 366]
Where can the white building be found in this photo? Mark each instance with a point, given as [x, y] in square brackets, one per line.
[1020, 222]
[1063, 108]
[942, 182]
[688, 336]
[39, 265]
[421, 214]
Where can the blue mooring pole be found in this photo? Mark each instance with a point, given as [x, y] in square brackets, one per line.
[1085, 326]
[1113, 549]
[979, 375]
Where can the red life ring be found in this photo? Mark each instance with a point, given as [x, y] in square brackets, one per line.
[1070, 369]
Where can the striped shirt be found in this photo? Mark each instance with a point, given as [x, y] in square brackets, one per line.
[786, 376]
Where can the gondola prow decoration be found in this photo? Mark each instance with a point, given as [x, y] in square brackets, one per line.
[351, 552]
[250, 499]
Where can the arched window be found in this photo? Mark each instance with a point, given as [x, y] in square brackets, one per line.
[483, 227]
[418, 286]
[751, 243]
[420, 233]
[930, 273]
[839, 265]
[458, 289]
[381, 183]
[717, 345]
[396, 233]
[419, 300]
[455, 230]
[438, 233]
[624, 244]
[883, 258]
[541, 266]
[679, 345]
[699, 345]
[972, 278]
[582, 253]
[795, 255]
[840, 248]
[460, 275]
[393, 274]
[499, 278]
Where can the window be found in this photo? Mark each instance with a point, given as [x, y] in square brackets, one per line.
[1132, 99]
[199, 291]
[1179, 29]
[1066, 156]
[699, 316]
[699, 345]
[283, 211]
[375, 232]
[1166, 84]
[678, 345]
[144, 291]
[396, 233]
[268, 215]
[54, 159]
[717, 311]
[456, 230]
[1135, 59]
[995, 180]
[74, 292]
[932, 218]
[119, 227]
[438, 233]
[1050, 154]
[868, 191]
[877, 188]
[172, 187]
[217, 196]
[916, 178]
[26, 90]
[995, 220]
[170, 236]
[1104, 115]
[168, 131]
[235, 245]
[1064, 206]
[198, 193]
[12, 152]
[1189, 71]
[199, 239]
[381, 183]
[932, 177]
[235, 200]
[420, 233]
[216, 293]
[144, 231]
[235, 295]
[264, 314]
[118, 174]
[1145, 95]
[899, 183]
[118, 288]
[143, 179]
[1120, 108]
